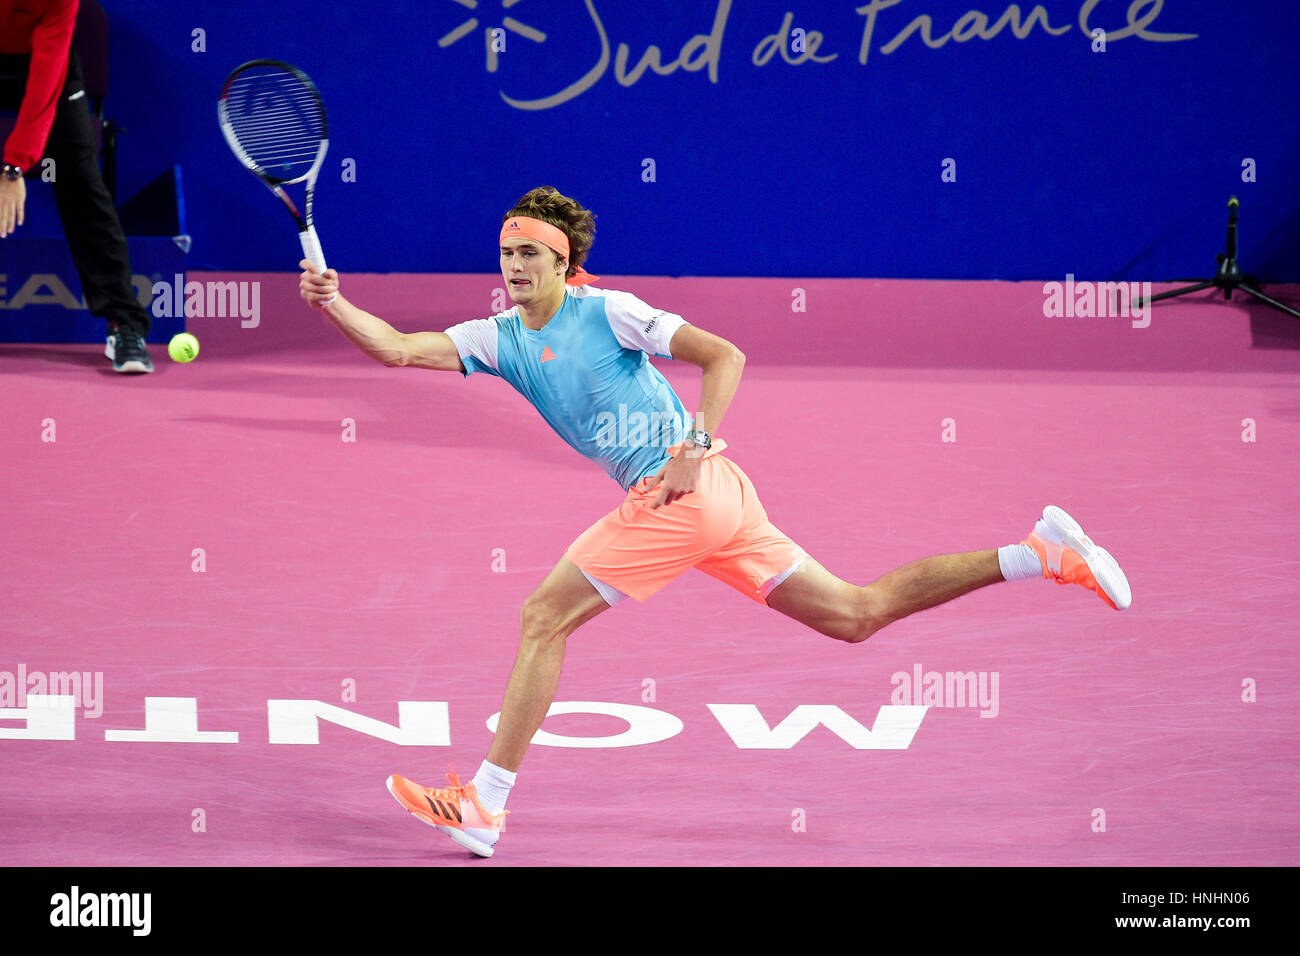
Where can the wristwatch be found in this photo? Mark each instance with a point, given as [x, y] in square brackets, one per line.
[700, 440]
[12, 172]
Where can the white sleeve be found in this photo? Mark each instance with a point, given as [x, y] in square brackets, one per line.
[639, 326]
[476, 341]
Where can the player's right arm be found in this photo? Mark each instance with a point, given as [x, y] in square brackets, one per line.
[371, 334]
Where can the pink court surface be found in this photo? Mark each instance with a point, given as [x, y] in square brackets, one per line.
[284, 522]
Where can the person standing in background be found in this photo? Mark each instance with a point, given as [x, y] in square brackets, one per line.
[40, 78]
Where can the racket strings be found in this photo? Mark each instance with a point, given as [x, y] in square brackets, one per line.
[277, 120]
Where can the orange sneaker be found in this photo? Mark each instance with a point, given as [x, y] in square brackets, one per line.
[453, 809]
[1077, 560]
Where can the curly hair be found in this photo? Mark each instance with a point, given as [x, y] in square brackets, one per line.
[549, 205]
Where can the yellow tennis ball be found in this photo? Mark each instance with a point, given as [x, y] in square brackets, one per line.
[183, 347]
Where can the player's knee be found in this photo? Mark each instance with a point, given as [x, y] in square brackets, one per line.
[538, 620]
[868, 616]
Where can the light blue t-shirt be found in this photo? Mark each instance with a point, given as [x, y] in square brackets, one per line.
[588, 373]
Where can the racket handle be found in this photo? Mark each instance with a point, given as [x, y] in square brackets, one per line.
[312, 250]
[311, 247]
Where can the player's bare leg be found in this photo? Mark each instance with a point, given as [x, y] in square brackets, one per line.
[848, 612]
[1056, 549]
[474, 814]
[564, 602]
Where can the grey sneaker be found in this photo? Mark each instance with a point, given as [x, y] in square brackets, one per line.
[127, 350]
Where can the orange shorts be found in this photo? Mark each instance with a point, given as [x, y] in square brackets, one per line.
[720, 528]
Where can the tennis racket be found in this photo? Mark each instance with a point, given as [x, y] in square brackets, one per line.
[274, 119]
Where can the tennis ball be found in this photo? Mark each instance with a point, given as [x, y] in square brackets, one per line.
[183, 347]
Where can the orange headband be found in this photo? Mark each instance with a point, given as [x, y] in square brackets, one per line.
[525, 227]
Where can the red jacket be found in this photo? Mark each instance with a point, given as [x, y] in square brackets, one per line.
[42, 28]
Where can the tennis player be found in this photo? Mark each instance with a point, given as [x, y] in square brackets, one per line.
[580, 355]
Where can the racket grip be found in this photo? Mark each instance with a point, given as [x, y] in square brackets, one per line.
[312, 250]
[311, 247]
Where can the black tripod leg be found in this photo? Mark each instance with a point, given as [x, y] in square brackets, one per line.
[1207, 284]
[1271, 301]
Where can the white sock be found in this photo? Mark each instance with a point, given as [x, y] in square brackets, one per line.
[493, 784]
[1019, 561]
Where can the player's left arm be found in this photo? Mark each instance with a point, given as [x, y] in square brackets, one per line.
[722, 364]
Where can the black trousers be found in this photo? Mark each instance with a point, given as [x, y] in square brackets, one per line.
[86, 210]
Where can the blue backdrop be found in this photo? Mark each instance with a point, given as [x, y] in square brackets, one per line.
[1065, 158]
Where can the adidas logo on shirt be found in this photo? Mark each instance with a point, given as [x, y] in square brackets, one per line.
[547, 354]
